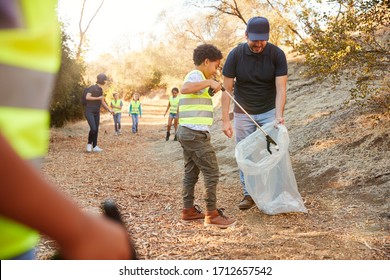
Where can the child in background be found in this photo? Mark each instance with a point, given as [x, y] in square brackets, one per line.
[173, 116]
[116, 106]
[135, 111]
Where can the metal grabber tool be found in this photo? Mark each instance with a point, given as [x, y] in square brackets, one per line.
[267, 137]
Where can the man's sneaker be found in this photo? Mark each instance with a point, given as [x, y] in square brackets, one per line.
[119, 132]
[97, 149]
[167, 137]
[246, 203]
[218, 219]
[89, 148]
[175, 139]
[191, 214]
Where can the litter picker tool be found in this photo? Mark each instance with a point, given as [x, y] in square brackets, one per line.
[267, 137]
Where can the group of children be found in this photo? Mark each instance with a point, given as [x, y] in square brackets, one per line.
[135, 111]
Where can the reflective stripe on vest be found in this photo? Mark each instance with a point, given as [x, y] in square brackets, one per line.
[135, 107]
[195, 108]
[25, 88]
[174, 103]
[29, 60]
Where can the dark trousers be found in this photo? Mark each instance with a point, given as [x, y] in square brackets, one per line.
[199, 156]
[93, 119]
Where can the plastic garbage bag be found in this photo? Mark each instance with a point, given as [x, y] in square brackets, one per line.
[269, 178]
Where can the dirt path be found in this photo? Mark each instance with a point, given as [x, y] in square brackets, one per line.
[143, 173]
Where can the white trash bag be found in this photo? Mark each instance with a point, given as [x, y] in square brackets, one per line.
[269, 178]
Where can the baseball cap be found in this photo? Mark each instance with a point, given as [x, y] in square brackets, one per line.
[101, 78]
[258, 29]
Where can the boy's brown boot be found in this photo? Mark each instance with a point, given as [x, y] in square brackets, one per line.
[218, 219]
[191, 214]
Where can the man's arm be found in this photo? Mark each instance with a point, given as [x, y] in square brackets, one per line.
[280, 101]
[226, 124]
[106, 106]
[92, 98]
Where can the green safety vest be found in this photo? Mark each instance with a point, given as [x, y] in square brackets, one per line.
[135, 107]
[29, 61]
[116, 103]
[174, 102]
[195, 108]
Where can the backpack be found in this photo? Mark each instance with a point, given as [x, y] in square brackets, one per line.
[84, 96]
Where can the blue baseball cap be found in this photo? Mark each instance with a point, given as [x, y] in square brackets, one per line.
[258, 29]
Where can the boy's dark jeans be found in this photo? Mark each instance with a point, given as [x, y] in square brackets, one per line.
[199, 155]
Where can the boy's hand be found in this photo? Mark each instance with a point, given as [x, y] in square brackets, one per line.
[216, 86]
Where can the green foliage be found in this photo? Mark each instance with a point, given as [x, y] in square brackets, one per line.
[65, 104]
[353, 42]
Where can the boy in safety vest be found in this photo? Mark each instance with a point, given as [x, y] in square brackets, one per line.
[173, 116]
[116, 106]
[29, 61]
[135, 111]
[195, 119]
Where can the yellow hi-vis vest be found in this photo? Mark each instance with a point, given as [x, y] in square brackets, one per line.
[116, 103]
[196, 108]
[174, 102]
[135, 107]
[29, 61]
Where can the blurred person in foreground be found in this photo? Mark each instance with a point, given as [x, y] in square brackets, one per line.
[257, 70]
[29, 61]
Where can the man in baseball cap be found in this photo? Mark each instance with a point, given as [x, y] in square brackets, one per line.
[258, 29]
[258, 71]
[95, 99]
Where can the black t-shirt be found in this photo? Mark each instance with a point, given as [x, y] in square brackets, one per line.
[255, 88]
[96, 91]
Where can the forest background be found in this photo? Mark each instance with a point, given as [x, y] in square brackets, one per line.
[335, 39]
[337, 114]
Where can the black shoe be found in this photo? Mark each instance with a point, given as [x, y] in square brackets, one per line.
[175, 139]
[167, 137]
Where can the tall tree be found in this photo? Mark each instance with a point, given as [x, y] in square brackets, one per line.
[351, 39]
[83, 31]
[284, 29]
[65, 103]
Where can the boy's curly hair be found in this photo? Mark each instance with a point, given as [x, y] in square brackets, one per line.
[206, 51]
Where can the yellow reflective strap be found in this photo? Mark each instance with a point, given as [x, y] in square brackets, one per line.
[27, 130]
[15, 238]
